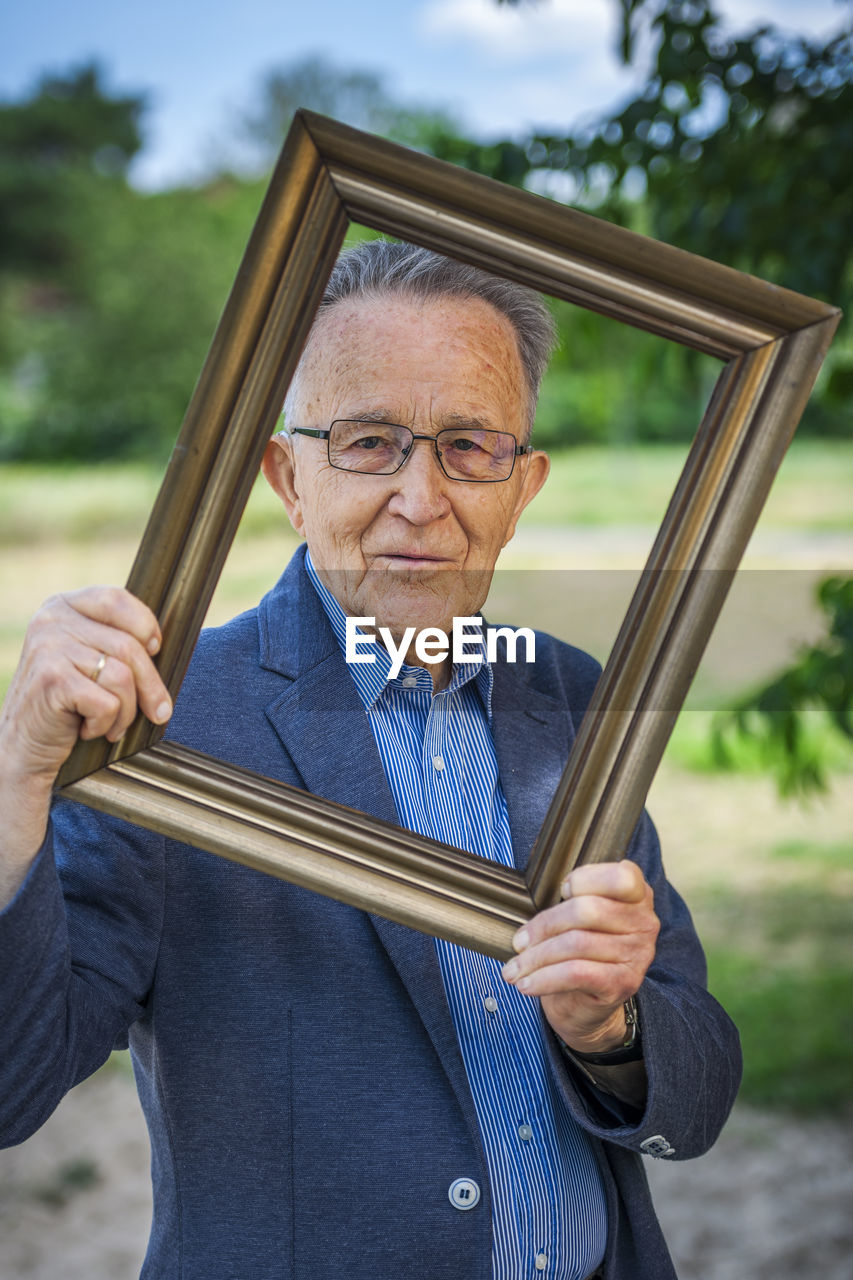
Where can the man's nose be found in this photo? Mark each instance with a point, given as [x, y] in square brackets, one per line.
[420, 486]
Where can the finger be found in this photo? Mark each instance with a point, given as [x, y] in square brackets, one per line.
[128, 672]
[116, 607]
[604, 983]
[111, 661]
[79, 702]
[99, 711]
[116, 679]
[86, 682]
[621, 880]
[577, 944]
[590, 913]
[633, 951]
[140, 684]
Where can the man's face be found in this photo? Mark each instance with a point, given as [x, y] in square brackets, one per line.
[414, 548]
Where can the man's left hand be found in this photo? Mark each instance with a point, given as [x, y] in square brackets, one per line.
[586, 956]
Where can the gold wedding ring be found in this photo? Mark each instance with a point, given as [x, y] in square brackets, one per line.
[101, 663]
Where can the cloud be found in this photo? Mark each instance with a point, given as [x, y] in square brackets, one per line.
[547, 27]
[530, 28]
[816, 18]
[540, 64]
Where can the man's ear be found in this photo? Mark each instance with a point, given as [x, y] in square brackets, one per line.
[538, 464]
[280, 473]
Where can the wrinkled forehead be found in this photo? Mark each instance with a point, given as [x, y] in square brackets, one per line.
[390, 347]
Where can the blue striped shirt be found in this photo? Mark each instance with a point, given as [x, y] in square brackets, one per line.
[549, 1216]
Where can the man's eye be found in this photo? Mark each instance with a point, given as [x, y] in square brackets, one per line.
[368, 442]
[463, 445]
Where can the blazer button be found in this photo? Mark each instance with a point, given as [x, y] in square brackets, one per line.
[657, 1146]
[463, 1193]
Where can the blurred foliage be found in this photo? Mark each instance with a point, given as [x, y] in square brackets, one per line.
[611, 384]
[108, 297]
[779, 717]
[740, 149]
[102, 362]
[357, 97]
[743, 147]
[67, 127]
[780, 960]
[796, 1028]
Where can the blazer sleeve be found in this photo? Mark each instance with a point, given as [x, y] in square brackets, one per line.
[78, 947]
[690, 1045]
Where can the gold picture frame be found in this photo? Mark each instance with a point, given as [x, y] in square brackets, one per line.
[771, 342]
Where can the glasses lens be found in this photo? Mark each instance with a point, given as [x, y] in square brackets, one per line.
[477, 454]
[376, 447]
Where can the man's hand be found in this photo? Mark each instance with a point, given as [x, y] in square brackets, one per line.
[85, 669]
[587, 955]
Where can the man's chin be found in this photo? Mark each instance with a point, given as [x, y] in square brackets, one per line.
[409, 607]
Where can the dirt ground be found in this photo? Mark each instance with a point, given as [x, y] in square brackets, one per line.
[770, 1202]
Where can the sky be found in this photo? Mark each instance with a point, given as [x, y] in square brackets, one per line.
[499, 70]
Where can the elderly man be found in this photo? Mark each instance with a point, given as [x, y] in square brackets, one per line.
[330, 1094]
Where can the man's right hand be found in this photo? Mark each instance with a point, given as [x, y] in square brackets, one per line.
[61, 691]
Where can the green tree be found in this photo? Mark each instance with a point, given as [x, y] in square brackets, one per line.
[745, 144]
[108, 297]
[67, 126]
[106, 371]
[817, 687]
[736, 148]
[356, 97]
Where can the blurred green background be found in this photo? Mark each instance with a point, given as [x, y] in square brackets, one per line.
[739, 149]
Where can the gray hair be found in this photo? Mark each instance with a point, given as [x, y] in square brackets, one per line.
[381, 267]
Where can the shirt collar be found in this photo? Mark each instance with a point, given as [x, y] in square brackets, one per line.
[373, 678]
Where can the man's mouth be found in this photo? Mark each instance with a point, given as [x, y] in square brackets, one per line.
[412, 560]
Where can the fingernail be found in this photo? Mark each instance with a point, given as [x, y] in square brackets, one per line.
[521, 940]
[522, 984]
[163, 712]
[153, 645]
[510, 970]
[566, 889]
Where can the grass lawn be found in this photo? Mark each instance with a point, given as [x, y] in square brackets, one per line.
[598, 486]
[770, 886]
[588, 487]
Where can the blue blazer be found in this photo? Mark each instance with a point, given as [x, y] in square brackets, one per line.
[296, 1061]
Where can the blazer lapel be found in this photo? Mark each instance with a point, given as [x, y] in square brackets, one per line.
[532, 733]
[318, 714]
[321, 722]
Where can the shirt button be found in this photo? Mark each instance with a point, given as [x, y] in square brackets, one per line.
[463, 1193]
[438, 761]
[526, 1133]
[491, 1003]
[541, 1261]
[409, 682]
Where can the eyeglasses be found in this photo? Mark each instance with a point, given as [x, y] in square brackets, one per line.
[476, 454]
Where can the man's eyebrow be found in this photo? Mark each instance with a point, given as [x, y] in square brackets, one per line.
[465, 420]
[374, 415]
